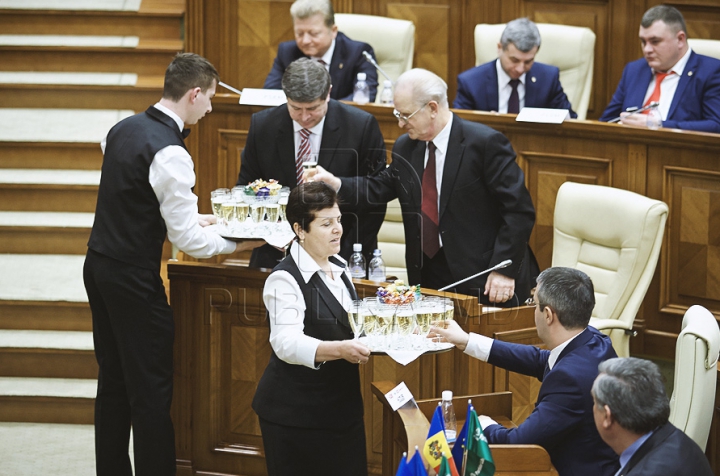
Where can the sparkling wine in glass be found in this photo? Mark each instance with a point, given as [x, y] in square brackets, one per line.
[405, 321]
[257, 212]
[272, 210]
[356, 316]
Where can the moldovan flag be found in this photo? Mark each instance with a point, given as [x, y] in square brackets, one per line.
[471, 451]
[436, 444]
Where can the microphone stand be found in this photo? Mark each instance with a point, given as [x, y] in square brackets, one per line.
[372, 61]
[636, 111]
[504, 264]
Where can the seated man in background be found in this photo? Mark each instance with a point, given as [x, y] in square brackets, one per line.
[686, 84]
[514, 80]
[562, 421]
[342, 138]
[317, 37]
[631, 413]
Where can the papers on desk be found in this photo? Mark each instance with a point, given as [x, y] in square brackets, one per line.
[262, 97]
[543, 115]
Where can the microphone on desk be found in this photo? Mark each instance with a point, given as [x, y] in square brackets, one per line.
[501, 265]
[372, 61]
[635, 110]
[227, 86]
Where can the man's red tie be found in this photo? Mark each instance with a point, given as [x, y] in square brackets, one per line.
[303, 154]
[430, 229]
[655, 96]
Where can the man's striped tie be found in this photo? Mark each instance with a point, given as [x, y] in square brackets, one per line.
[303, 154]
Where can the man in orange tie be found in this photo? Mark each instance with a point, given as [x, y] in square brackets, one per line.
[685, 84]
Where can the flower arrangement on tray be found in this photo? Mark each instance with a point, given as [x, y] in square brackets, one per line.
[399, 293]
[263, 188]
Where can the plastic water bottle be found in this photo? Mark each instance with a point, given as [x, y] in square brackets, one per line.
[376, 270]
[654, 119]
[386, 97]
[361, 93]
[357, 262]
[449, 416]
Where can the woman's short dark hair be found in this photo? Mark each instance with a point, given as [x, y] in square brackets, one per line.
[308, 198]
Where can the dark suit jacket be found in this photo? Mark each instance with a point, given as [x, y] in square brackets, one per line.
[486, 213]
[351, 145]
[347, 61]
[562, 421]
[670, 452]
[478, 88]
[696, 104]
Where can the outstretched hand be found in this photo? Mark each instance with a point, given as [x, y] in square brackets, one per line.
[319, 174]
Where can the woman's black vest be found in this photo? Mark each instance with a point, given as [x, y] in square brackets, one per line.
[295, 395]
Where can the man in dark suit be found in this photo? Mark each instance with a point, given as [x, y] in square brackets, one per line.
[345, 140]
[317, 37]
[145, 195]
[514, 79]
[562, 421]
[464, 203]
[631, 413]
[686, 84]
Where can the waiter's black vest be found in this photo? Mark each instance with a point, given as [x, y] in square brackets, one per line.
[128, 226]
[295, 395]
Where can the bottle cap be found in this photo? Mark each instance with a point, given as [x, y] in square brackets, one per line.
[357, 247]
[377, 252]
[447, 395]
[362, 76]
[387, 83]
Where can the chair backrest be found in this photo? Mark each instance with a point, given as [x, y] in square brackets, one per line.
[614, 236]
[391, 240]
[392, 39]
[696, 357]
[570, 48]
[705, 47]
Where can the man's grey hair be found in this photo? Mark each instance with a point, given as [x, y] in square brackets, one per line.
[522, 33]
[671, 16]
[306, 80]
[634, 391]
[303, 9]
[426, 86]
[569, 292]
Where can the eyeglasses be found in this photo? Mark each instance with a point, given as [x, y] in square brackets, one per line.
[406, 119]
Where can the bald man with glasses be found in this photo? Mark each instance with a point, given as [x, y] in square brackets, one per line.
[464, 203]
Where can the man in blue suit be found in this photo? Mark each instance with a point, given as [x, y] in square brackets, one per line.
[514, 80]
[631, 415]
[688, 83]
[562, 421]
[317, 37]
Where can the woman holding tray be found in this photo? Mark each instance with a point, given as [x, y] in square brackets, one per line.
[309, 400]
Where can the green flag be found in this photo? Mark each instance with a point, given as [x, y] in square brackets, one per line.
[479, 459]
[444, 469]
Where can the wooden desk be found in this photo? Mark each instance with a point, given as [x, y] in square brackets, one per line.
[405, 429]
[222, 349]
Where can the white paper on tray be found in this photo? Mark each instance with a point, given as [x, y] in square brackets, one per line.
[278, 235]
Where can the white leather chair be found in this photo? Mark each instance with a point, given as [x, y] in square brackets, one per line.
[391, 240]
[570, 48]
[615, 237]
[392, 39]
[705, 47]
[696, 357]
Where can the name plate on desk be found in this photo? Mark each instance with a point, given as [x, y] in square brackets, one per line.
[262, 97]
[543, 115]
[399, 396]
